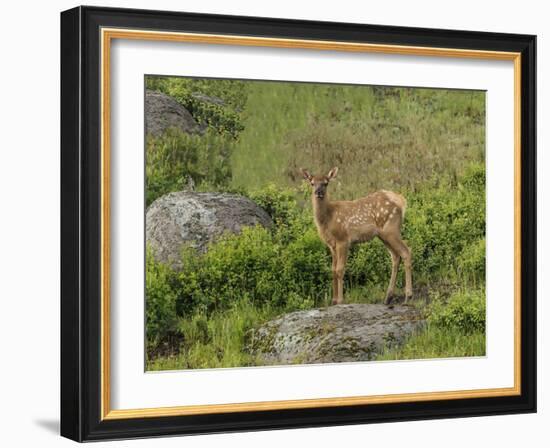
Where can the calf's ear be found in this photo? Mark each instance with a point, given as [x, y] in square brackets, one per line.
[332, 173]
[306, 174]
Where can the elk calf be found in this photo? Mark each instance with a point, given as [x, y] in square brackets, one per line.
[342, 223]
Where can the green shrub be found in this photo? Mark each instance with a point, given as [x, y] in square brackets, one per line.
[279, 203]
[253, 265]
[440, 224]
[234, 268]
[368, 264]
[175, 156]
[464, 311]
[305, 267]
[160, 302]
[471, 262]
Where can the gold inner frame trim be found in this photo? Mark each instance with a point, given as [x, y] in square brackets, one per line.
[107, 35]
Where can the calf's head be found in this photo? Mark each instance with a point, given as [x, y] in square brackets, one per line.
[319, 184]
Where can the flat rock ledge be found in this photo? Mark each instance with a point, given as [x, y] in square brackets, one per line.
[341, 333]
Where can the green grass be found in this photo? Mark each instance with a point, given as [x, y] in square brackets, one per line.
[216, 340]
[455, 327]
[379, 137]
[435, 342]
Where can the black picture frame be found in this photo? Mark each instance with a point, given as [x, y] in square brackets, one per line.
[81, 224]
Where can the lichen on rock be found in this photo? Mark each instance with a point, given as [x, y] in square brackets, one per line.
[342, 333]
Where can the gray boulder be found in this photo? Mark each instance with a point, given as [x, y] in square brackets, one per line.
[196, 219]
[341, 333]
[163, 112]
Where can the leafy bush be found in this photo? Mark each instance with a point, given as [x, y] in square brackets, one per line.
[255, 266]
[236, 267]
[175, 157]
[441, 223]
[464, 311]
[279, 203]
[160, 302]
[304, 267]
[471, 262]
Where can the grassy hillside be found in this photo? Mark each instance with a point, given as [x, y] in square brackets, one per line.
[426, 143]
[378, 137]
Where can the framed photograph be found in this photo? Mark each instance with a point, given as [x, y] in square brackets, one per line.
[271, 223]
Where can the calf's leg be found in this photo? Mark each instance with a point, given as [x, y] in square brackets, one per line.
[396, 260]
[341, 258]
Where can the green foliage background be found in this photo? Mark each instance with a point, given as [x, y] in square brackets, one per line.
[426, 144]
